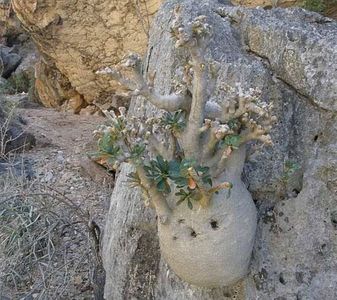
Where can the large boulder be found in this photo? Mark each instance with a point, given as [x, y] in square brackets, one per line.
[9, 61]
[289, 55]
[53, 88]
[79, 37]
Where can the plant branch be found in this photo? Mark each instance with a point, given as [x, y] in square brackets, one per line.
[205, 192]
[194, 36]
[163, 210]
[139, 87]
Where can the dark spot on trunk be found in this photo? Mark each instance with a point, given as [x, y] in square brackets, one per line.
[193, 233]
[333, 217]
[214, 224]
[281, 279]
[295, 192]
[299, 277]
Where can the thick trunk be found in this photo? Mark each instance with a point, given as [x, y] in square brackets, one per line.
[212, 246]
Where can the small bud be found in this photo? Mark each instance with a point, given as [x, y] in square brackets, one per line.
[122, 110]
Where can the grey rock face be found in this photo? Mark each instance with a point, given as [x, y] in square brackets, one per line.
[300, 47]
[9, 61]
[3, 82]
[294, 183]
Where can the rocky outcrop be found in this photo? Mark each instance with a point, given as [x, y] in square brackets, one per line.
[80, 37]
[54, 88]
[293, 183]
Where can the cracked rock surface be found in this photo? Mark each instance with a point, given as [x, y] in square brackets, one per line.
[79, 37]
[289, 55]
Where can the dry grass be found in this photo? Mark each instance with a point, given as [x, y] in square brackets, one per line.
[47, 242]
[5, 139]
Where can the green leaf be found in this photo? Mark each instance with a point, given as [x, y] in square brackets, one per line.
[202, 170]
[232, 140]
[189, 204]
[147, 168]
[181, 182]
[175, 122]
[207, 180]
[137, 151]
[233, 123]
[180, 201]
[174, 168]
[181, 192]
[163, 186]
[186, 163]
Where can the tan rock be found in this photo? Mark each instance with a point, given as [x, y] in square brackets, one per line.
[89, 110]
[9, 24]
[76, 103]
[52, 87]
[5, 10]
[82, 36]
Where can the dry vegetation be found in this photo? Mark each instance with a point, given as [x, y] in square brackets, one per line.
[51, 214]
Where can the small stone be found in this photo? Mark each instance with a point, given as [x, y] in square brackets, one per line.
[78, 279]
[48, 177]
[59, 158]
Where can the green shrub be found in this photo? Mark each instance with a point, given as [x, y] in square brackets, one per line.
[17, 83]
[314, 5]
